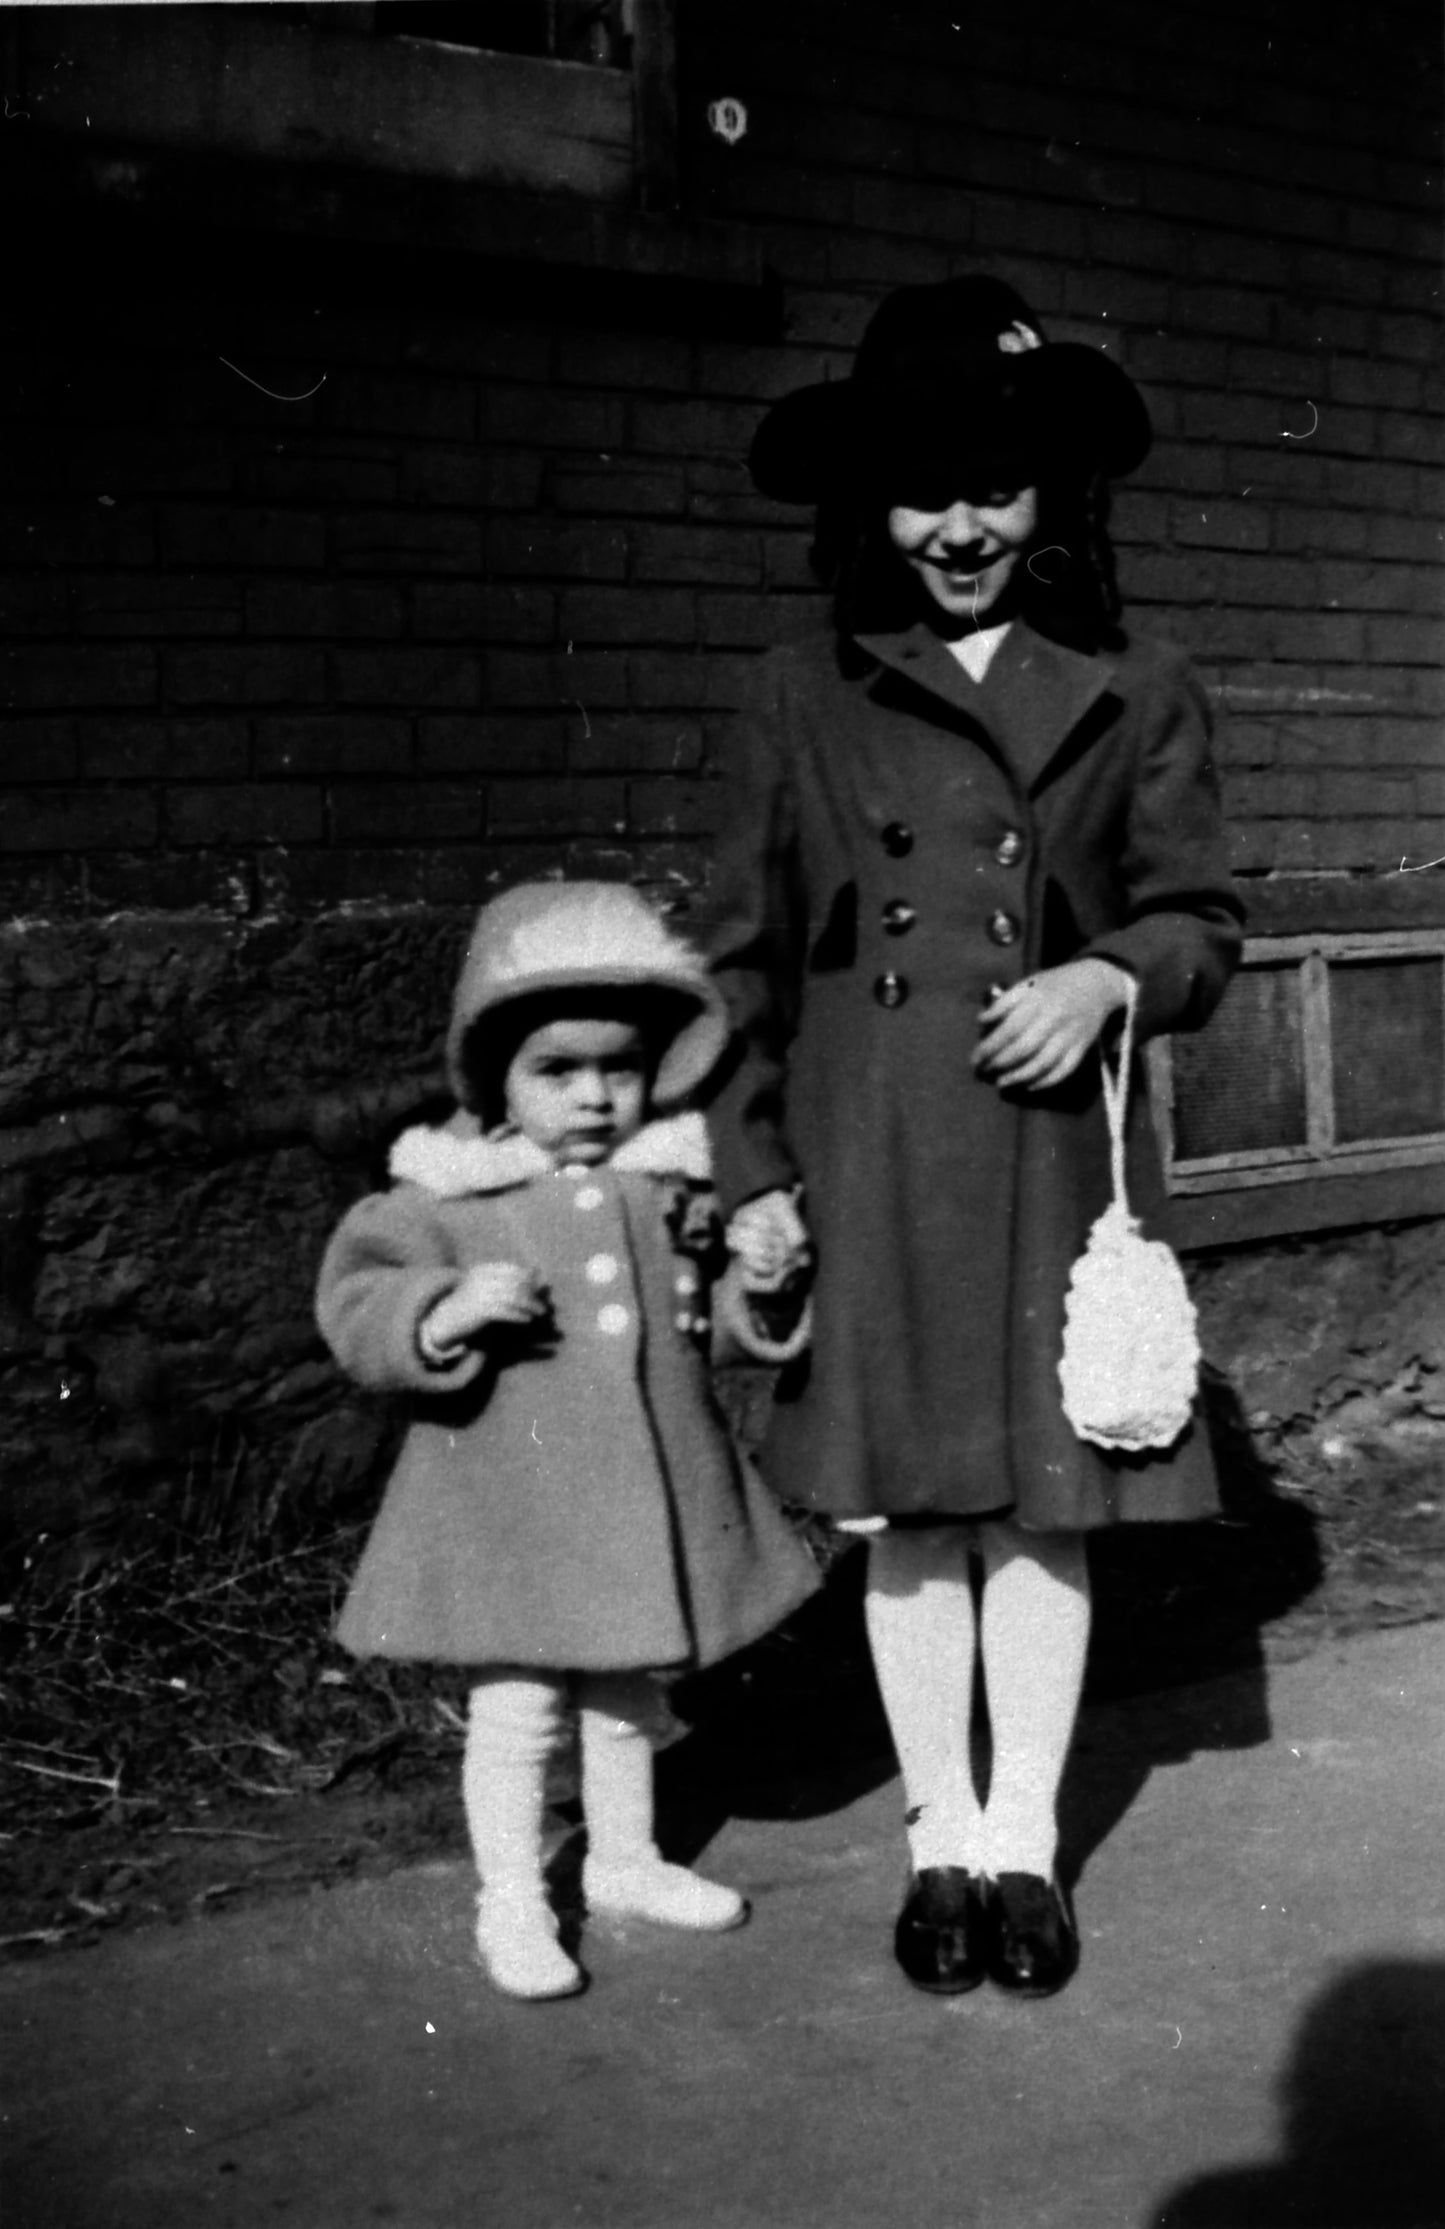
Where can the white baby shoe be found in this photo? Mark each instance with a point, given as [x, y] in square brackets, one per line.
[517, 1943]
[650, 1888]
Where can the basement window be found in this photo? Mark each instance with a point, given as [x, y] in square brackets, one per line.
[567, 98]
[624, 109]
[1326, 1058]
[595, 31]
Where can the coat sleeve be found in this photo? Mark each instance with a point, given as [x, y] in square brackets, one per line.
[746, 1332]
[757, 946]
[1181, 932]
[388, 1265]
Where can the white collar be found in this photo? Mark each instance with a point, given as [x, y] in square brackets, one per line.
[975, 652]
[450, 1166]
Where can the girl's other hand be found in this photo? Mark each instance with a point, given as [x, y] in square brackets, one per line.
[1036, 1033]
[770, 1239]
[491, 1292]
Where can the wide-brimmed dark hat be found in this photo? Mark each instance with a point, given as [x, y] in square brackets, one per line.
[952, 384]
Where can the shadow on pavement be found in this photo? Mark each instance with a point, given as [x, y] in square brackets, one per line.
[1180, 1603]
[794, 1727]
[790, 1729]
[1361, 2104]
[1176, 1659]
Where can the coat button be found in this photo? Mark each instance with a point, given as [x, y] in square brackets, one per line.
[602, 1268]
[1009, 849]
[898, 917]
[613, 1319]
[891, 990]
[898, 839]
[1003, 928]
[591, 1195]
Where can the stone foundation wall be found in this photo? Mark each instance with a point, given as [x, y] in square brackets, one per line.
[187, 1104]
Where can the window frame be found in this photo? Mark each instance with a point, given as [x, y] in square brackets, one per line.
[598, 138]
[1319, 1156]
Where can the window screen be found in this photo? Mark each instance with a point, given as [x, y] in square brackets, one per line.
[1240, 1085]
[1326, 1056]
[1387, 1042]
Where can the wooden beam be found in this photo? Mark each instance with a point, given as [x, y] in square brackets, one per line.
[218, 80]
[1195, 1223]
[654, 103]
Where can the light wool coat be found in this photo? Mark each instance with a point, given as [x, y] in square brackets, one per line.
[899, 839]
[571, 1500]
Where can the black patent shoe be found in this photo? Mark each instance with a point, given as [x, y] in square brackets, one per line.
[940, 1940]
[1032, 1942]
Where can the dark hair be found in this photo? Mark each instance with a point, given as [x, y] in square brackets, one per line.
[496, 1037]
[1071, 593]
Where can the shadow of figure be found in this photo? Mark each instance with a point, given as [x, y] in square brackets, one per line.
[1176, 1658]
[791, 1728]
[794, 1727]
[1361, 2099]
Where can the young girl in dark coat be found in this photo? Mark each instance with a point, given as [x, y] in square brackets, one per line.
[568, 1515]
[964, 827]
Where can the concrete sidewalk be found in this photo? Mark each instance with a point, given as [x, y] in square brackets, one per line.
[1257, 2034]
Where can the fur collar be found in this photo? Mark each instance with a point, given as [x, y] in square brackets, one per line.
[451, 1166]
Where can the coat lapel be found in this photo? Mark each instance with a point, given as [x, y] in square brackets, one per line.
[1036, 696]
[1029, 703]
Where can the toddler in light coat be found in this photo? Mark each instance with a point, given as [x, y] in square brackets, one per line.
[569, 1515]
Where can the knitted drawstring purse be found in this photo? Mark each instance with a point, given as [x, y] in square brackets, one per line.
[1130, 1365]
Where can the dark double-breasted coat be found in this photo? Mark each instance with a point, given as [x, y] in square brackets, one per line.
[898, 839]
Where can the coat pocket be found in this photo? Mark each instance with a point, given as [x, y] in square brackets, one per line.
[837, 945]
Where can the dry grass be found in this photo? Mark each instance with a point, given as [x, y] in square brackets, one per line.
[181, 1677]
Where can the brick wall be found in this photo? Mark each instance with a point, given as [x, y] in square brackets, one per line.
[480, 599]
[289, 684]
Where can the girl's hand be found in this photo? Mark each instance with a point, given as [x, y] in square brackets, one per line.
[770, 1239]
[491, 1292]
[1036, 1033]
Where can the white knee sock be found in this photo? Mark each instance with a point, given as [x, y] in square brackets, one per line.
[617, 1711]
[625, 1873]
[514, 1721]
[1034, 1631]
[920, 1616]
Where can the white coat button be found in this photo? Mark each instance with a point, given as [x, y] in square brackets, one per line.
[685, 1281]
[613, 1318]
[602, 1269]
[683, 1319]
[589, 1196]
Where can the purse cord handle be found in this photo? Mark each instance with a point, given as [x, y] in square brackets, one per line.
[1116, 1094]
